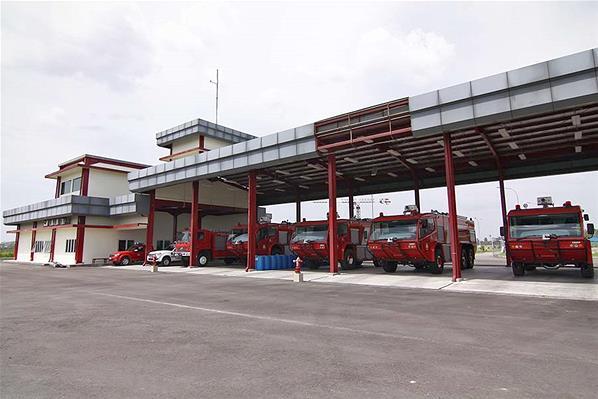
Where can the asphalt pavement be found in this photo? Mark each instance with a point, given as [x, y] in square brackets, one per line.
[105, 333]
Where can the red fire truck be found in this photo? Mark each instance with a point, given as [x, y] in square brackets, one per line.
[421, 240]
[551, 237]
[310, 242]
[272, 239]
[211, 246]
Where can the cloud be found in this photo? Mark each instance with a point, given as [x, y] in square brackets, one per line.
[111, 50]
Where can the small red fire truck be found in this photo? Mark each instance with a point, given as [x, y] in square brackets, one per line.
[310, 242]
[272, 239]
[211, 246]
[421, 240]
[551, 237]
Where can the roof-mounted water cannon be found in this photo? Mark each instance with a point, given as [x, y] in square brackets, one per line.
[410, 210]
[567, 204]
[545, 201]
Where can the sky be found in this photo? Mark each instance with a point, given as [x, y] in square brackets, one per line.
[103, 78]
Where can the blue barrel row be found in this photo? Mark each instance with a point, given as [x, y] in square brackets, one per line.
[274, 262]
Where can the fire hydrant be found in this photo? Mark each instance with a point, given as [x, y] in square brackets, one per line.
[297, 274]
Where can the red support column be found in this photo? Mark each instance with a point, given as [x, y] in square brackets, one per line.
[452, 204]
[503, 205]
[80, 239]
[194, 223]
[57, 192]
[251, 221]
[149, 232]
[85, 182]
[332, 236]
[32, 249]
[52, 245]
[17, 238]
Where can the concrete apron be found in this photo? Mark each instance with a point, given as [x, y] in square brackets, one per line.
[560, 284]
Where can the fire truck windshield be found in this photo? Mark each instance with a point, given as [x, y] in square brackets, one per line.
[560, 225]
[316, 232]
[394, 229]
[238, 236]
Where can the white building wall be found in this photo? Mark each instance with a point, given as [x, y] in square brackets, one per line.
[99, 243]
[24, 244]
[103, 183]
[210, 143]
[222, 223]
[42, 235]
[185, 143]
[60, 254]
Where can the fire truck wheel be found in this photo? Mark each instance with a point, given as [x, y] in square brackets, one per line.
[518, 269]
[203, 258]
[229, 261]
[376, 263]
[530, 267]
[437, 267]
[312, 265]
[125, 261]
[587, 271]
[166, 261]
[389, 267]
[467, 258]
[348, 262]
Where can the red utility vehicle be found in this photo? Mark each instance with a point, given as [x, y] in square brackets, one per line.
[421, 240]
[310, 242]
[136, 253]
[550, 237]
[211, 246]
[272, 239]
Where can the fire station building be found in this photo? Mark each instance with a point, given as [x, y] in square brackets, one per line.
[538, 120]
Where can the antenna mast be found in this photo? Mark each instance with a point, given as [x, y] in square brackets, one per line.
[217, 83]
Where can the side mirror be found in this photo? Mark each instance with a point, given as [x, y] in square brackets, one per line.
[502, 231]
[586, 217]
[590, 229]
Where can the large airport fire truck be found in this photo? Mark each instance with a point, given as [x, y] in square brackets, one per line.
[421, 240]
[272, 239]
[211, 246]
[310, 242]
[549, 236]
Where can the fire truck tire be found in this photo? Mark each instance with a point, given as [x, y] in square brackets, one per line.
[389, 267]
[530, 267]
[518, 269]
[587, 271]
[467, 258]
[166, 261]
[437, 267]
[376, 263]
[229, 261]
[203, 259]
[348, 262]
[125, 261]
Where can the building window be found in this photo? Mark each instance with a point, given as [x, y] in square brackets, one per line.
[162, 244]
[123, 245]
[42, 246]
[70, 245]
[65, 187]
[76, 184]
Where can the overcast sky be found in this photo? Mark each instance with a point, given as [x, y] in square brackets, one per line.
[103, 78]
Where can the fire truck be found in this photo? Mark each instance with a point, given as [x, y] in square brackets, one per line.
[548, 236]
[272, 239]
[310, 242]
[211, 246]
[420, 240]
